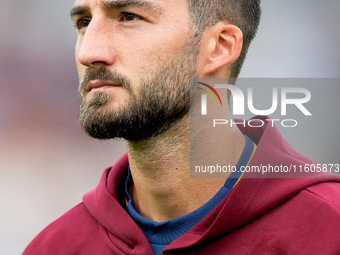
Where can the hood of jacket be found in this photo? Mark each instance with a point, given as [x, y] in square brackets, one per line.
[249, 200]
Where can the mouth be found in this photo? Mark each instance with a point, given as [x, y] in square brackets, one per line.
[100, 85]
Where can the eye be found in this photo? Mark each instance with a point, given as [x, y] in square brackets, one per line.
[129, 17]
[82, 23]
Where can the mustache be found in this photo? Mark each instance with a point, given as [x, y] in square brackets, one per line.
[103, 73]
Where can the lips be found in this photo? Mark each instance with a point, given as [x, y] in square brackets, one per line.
[100, 85]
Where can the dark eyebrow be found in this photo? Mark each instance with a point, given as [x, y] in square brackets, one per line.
[142, 4]
[78, 10]
[148, 6]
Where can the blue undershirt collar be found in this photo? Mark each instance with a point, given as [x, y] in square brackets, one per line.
[161, 234]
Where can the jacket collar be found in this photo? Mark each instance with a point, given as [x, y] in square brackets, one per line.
[251, 198]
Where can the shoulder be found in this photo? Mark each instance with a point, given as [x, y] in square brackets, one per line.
[327, 193]
[316, 210]
[72, 232]
[310, 216]
[319, 201]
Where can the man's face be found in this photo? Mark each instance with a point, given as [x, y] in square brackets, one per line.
[135, 59]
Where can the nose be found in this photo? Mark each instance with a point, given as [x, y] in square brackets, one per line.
[95, 46]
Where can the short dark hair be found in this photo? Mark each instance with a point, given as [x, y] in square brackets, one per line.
[244, 14]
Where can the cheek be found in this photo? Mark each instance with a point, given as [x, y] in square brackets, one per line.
[156, 45]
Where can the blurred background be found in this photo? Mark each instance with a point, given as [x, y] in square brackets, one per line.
[47, 163]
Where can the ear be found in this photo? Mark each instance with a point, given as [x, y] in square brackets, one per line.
[221, 46]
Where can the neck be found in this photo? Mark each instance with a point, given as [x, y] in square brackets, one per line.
[160, 167]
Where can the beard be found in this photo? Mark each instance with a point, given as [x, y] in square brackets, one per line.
[162, 101]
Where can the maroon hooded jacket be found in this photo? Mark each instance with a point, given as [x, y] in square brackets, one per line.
[259, 216]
